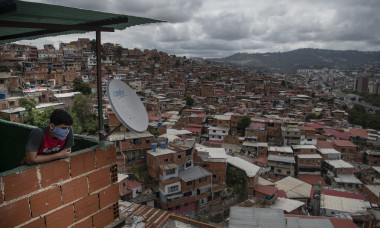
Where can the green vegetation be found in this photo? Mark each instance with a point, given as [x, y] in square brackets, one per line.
[243, 124]
[358, 115]
[154, 132]
[236, 179]
[84, 117]
[142, 174]
[35, 116]
[189, 101]
[373, 99]
[80, 86]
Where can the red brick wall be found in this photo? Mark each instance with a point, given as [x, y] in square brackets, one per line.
[81, 191]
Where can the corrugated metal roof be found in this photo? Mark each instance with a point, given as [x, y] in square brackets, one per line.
[287, 205]
[279, 158]
[295, 222]
[244, 217]
[193, 173]
[309, 156]
[339, 164]
[250, 169]
[21, 20]
[342, 204]
[294, 188]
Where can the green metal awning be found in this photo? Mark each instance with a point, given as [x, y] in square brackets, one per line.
[21, 20]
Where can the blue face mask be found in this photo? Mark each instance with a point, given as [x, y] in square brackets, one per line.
[60, 133]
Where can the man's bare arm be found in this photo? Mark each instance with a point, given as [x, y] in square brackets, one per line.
[33, 158]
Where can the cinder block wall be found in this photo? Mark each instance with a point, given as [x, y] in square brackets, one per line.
[80, 191]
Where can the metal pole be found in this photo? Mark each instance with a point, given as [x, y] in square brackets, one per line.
[99, 84]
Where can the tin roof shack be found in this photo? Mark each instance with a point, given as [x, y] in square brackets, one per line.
[340, 173]
[81, 189]
[329, 154]
[244, 217]
[267, 193]
[349, 150]
[335, 203]
[255, 149]
[289, 206]
[296, 189]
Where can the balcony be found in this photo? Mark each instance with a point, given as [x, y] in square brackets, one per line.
[13, 137]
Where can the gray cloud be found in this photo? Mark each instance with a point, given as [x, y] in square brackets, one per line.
[217, 28]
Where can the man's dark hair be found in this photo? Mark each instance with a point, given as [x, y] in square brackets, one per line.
[60, 116]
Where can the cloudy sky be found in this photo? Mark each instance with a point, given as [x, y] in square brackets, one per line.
[220, 28]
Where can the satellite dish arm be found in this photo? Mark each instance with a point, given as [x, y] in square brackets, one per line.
[104, 137]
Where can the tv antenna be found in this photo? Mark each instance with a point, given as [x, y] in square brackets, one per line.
[127, 106]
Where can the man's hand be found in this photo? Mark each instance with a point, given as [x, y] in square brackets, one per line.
[64, 153]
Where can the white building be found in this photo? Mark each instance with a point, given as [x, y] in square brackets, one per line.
[217, 133]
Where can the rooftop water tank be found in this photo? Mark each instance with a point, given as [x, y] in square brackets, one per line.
[3, 96]
[153, 146]
[159, 124]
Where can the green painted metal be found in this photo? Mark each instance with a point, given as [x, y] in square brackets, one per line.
[30, 12]
[13, 137]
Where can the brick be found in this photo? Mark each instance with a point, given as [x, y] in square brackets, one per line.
[99, 179]
[14, 213]
[109, 195]
[54, 172]
[45, 201]
[86, 206]
[63, 217]
[35, 224]
[84, 224]
[104, 217]
[105, 156]
[21, 183]
[74, 190]
[82, 163]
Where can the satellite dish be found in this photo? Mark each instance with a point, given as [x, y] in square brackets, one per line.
[127, 106]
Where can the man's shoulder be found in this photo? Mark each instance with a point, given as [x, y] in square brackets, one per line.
[38, 130]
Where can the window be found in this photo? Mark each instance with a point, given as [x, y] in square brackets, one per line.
[173, 189]
[189, 183]
[186, 204]
[214, 176]
[214, 131]
[279, 170]
[202, 179]
[166, 160]
[124, 184]
[205, 165]
[170, 172]
[179, 156]
[224, 131]
[287, 172]
[11, 103]
[147, 141]
[136, 141]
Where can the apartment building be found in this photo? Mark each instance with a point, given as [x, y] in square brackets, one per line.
[282, 165]
[308, 163]
[256, 132]
[217, 133]
[348, 150]
[291, 136]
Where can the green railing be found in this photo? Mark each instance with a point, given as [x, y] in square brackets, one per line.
[13, 138]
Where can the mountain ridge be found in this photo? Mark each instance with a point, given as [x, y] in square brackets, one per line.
[302, 58]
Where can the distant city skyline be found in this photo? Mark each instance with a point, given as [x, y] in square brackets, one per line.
[222, 28]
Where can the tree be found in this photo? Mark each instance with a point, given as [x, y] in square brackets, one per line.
[80, 86]
[189, 101]
[35, 116]
[84, 117]
[243, 124]
[235, 178]
[184, 107]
